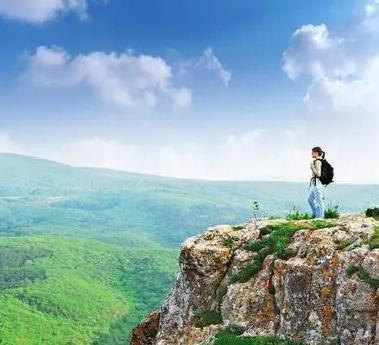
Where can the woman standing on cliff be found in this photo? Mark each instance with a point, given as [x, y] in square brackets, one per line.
[315, 199]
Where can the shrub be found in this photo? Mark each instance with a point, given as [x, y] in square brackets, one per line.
[238, 227]
[229, 242]
[373, 212]
[332, 212]
[295, 214]
[206, 318]
[256, 208]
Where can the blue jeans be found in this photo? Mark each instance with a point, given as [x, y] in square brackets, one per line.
[316, 201]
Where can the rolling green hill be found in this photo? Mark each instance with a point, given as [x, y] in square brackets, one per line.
[86, 253]
[39, 197]
[56, 290]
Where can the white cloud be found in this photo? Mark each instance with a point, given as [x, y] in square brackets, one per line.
[38, 11]
[242, 157]
[124, 80]
[315, 52]
[372, 7]
[207, 61]
[258, 154]
[341, 103]
[212, 62]
[237, 157]
[150, 159]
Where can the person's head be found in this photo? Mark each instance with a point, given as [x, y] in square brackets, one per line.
[318, 153]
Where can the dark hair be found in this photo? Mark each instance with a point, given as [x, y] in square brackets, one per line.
[319, 151]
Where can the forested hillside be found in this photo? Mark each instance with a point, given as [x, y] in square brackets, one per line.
[86, 253]
[56, 290]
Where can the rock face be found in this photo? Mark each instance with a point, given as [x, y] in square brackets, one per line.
[326, 291]
[146, 332]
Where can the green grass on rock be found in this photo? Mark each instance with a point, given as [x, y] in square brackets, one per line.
[275, 241]
[206, 318]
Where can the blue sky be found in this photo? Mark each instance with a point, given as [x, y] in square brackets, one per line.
[187, 88]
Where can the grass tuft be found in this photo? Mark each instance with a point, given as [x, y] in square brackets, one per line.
[351, 270]
[230, 331]
[254, 340]
[238, 227]
[221, 293]
[332, 212]
[207, 318]
[373, 241]
[295, 214]
[255, 246]
[230, 241]
[364, 275]
[319, 224]
[249, 271]
[286, 254]
[342, 244]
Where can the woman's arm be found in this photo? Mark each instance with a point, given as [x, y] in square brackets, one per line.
[316, 168]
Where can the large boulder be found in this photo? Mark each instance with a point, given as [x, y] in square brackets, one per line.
[326, 291]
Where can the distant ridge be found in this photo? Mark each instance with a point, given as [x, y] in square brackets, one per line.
[6, 158]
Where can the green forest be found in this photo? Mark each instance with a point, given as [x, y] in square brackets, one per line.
[87, 253]
[59, 290]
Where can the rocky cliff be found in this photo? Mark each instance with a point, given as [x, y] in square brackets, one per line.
[311, 281]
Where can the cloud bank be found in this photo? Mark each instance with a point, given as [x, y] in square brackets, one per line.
[341, 102]
[124, 80]
[39, 11]
[236, 157]
[260, 154]
[340, 109]
[241, 157]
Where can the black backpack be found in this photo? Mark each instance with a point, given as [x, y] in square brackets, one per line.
[327, 172]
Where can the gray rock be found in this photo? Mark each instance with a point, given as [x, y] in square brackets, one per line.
[309, 298]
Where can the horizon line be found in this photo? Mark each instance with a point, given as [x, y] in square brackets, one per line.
[179, 178]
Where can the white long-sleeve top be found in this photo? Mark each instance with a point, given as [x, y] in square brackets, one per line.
[316, 172]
